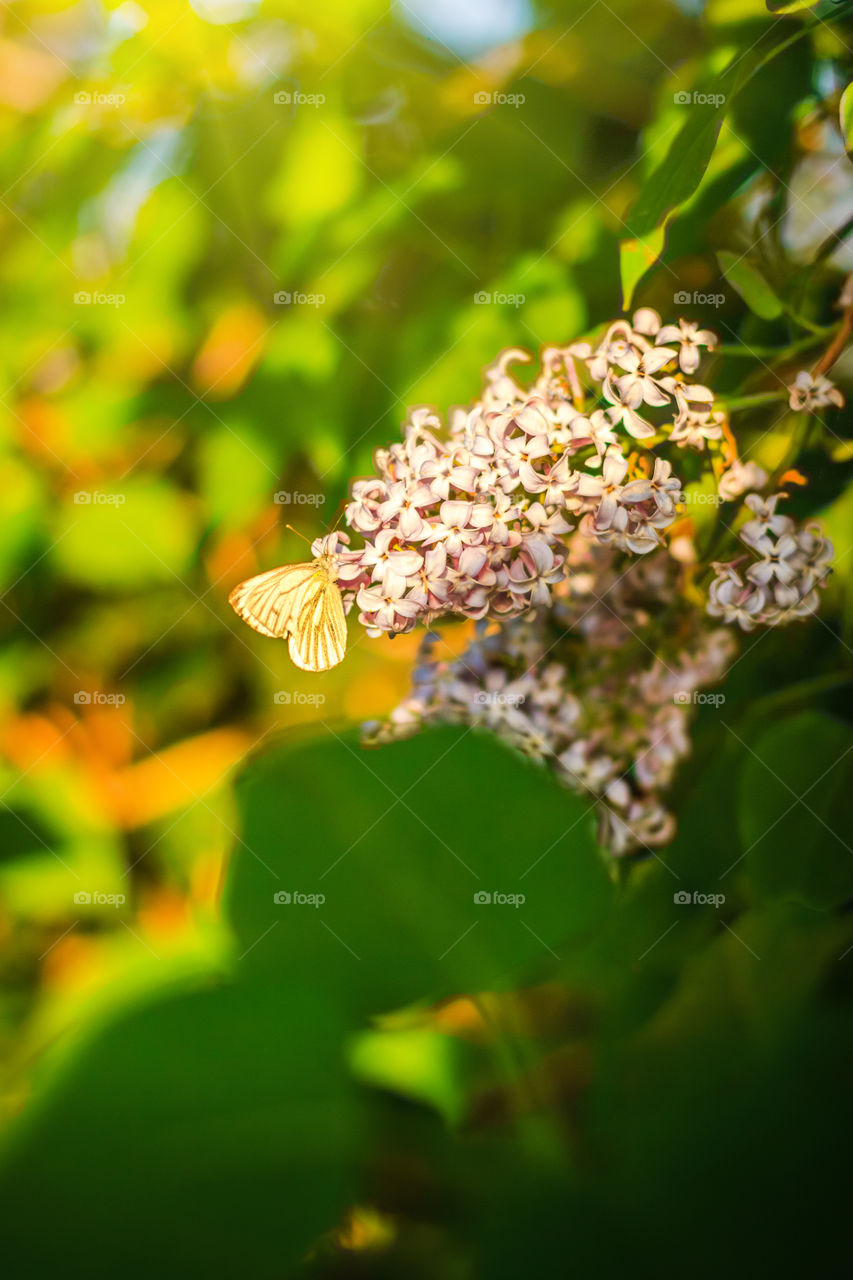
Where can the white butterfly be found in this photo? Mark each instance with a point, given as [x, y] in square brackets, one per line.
[303, 602]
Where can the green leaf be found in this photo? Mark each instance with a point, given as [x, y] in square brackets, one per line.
[845, 113]
[416, 1063]
[794, 807]
[397, 844]
[679, 174]
[750, 284]
[636, 257]
[207, 1134]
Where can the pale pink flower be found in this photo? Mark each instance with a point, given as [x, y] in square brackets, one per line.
[740, 477]
[662, 486]
[810, 394]
[733, 600]
[692, 429]
[691, 339]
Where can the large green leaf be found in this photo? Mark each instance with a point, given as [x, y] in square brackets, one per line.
[794, 810]
[680, 172]
[398, 843]
[208, 1134]
[744, 276]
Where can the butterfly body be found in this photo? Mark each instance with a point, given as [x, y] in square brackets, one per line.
[301, 602]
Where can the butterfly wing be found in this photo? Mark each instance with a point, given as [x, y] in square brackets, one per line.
[269, 602]
[319, 630]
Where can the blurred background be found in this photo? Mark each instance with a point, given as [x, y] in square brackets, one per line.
[237, 239]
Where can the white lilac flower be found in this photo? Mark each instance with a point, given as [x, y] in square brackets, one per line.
[778, 561]
[739, 478]
[553, 484]
[686, 393]
[735, 601]
[645, 323]
[692, 429]
[611, 352]
[662, 487]
[810, 393]
[389, 565]
[383, 607]
[690, 339]
[639, 383]
[606, 487]
[765, 521]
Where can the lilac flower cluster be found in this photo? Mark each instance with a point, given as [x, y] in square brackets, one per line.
[471, 518]
[781, 580]
[551, 514]
[555, 686]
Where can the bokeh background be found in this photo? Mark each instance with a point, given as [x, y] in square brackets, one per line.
[237, 240]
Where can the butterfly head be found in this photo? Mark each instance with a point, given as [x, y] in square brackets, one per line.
[326, 548]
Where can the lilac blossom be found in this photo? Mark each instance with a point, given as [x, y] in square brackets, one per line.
[550, 512]
[812, 393]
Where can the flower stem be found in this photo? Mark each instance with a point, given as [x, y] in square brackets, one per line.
[839, 342]
[753, 401]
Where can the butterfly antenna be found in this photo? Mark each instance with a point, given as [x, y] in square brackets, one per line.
[298, 534]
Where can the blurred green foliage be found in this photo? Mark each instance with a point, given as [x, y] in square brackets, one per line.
[238, 239]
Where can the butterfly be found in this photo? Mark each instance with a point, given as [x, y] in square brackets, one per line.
[302, 602]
